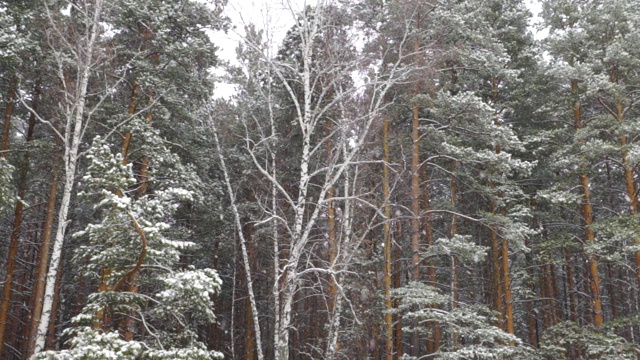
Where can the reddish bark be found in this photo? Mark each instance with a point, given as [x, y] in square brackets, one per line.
[587, 218]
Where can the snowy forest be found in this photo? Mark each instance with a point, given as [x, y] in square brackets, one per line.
[389, 179]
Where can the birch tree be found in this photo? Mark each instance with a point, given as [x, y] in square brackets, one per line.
[314, 82]
[84, 57]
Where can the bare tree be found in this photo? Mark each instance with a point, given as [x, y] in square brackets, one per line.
[74, 116]
[335, 95]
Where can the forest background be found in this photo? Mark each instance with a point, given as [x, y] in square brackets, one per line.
[393, 179]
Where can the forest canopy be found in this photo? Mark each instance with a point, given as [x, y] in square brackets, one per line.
[399, 179]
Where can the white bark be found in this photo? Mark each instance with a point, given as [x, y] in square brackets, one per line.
[311, 108]
[276, 241]
[72, 139]
[334, 326]
[243, 242]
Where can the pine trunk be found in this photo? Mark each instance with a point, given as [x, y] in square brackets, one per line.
[8, 113]
[571, 285]
[415, 212]
[454, 232]
[587, 218]
[496, 273]
[628, 168]
[506, 272]
[506, 278]
[435, 337]
[43, 258]
[551, 312]
[331, 232]
[532, 320]
[14, 241]
[613, 295]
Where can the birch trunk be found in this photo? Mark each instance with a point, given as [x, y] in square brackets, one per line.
[72, 139]
[50, 343]
[243, 242]
[397, 283]
[388, 316]
[305, 83]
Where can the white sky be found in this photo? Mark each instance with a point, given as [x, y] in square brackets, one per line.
[276, 17]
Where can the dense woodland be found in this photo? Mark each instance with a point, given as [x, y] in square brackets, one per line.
[415, 179]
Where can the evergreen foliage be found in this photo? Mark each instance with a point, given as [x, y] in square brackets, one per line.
[397, 179]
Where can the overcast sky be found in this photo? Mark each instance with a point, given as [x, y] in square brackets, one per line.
[276, 17]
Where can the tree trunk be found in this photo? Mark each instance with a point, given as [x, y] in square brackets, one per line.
[14, 241]
[331, 232]
[133, 103]
[506, 273]
[453, 233]
[496, 246]
[506, 278]
[551, 312]
[73, 137]
[587, 218]
[276, 254]
[43, 258]
[594, 278]
[628, 168]
[612, 293]
[397, 283]
[435, 337]
[8, 113]
[388, 316]
[249, 336]
[496, 274]
[415, 213]
[571, 285]
[128, 325]
[52, 337]
[532, 321]
[245, 255]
